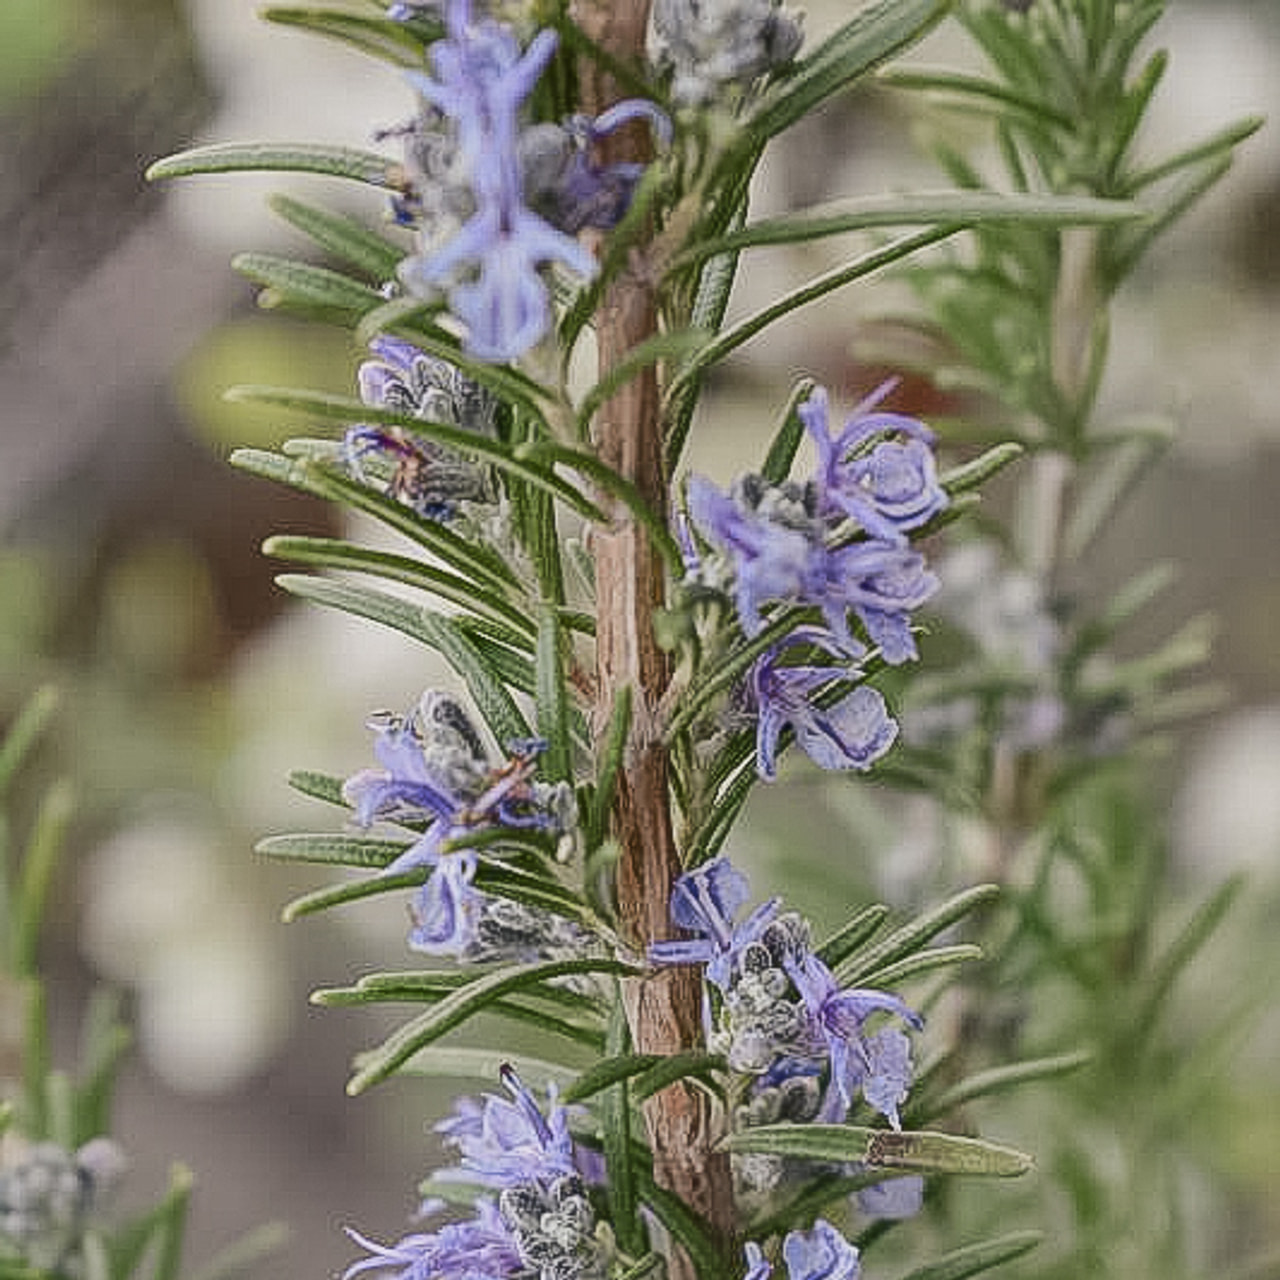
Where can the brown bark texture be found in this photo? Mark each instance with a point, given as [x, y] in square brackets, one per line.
[665, 1008]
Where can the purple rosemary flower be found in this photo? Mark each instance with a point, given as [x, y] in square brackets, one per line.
[881, 582]
[479, 1246]
[820, 1254]
[878, 469]
[566, 181]
[705, 901]
[852, 734]
[758, 1267]
[435, 775]
[505, 1142]
[770, 537]
[878, 1065]
[423, 475]
[491, 265]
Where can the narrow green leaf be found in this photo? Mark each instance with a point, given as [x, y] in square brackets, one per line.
[496, 705]
[611, 756]
[731, 339]
[280, 157]
[961, 207]
[171, 1224]
[998, 1079]
[556, 762]
[685, 1227]
[873, 35]
[390, 41]
[370, 853]
[662, 346]
[1000, 96]
[921, 962]
[319, 786]
[1194, 934]
[468, 557]
[494, 702]
[333, 553]
[462, 1004]
[615, 1120]
[973, 1259]
[25, 731]
[336, 895]
[678, 1066]
[468, 443]
[607, 1072]
[972, 475]
[35, 875]
[914, 934]
[245, 1254]
[341, 236]
[616, 486]
[883, 1148]
[782, 451]
[652, 1264]
[1210, 148]
[846, 940]
[545, 1009]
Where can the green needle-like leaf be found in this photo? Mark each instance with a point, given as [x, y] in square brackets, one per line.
[973, 1259]
[341, 236]
[883, 1148]
[332, 553]
[462, 555]
[926, 208]
[783, 449]
[913, 935]
[280, 157]
[845, 941]
[468, 443]
[1012, 1076]
[370, 853]
[462, 1004]
[556, 762]
[385, 39]
[731, 339]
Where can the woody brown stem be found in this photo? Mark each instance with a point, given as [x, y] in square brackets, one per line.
[664, 1008]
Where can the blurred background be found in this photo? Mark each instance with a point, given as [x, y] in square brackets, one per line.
[130, 574]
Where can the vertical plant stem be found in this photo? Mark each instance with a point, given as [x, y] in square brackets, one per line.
[665, 1008]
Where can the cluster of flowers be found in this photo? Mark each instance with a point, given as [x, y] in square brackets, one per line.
[436, 776]
[840, 543]
[540, 1225]
[435, 481]
[47, 1194]
[781, 1018]
[496, 200]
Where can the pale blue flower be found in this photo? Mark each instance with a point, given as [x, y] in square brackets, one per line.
[479, 1246]
[878, 1065]
[706, 901]
[758, 1267]
[504, 1142]
[491, 267]
[852, 734]
[775, 548]
[820, 1254]
[889, 486]
[882, 583]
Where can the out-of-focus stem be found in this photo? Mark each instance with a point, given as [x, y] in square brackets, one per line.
[665, 1008]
